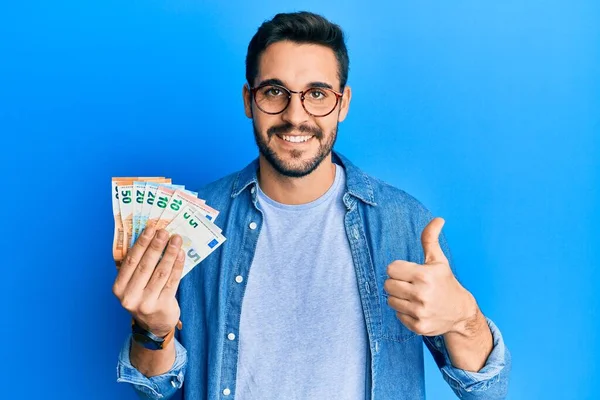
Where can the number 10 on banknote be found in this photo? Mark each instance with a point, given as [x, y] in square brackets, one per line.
[140, 202]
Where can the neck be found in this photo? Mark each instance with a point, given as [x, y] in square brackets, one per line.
[293, 191]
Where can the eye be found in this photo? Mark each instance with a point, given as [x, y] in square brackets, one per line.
[272, 91]
[317, 94]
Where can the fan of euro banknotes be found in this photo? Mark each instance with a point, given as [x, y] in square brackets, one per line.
[155, 202]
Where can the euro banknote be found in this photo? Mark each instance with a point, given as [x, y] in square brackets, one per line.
[141, 202]
[199, 235]
[125, 185]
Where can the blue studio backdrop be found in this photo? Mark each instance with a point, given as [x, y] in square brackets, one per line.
[487, 112]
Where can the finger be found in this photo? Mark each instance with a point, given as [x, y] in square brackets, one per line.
[148, 262]
[409, 321]
[402, 305]
[128, 265]
[430, 240]
[400, 289]
[403, 270]
[164, 267]
[170, 288]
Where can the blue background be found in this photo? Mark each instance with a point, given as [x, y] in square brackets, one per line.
[487, 112]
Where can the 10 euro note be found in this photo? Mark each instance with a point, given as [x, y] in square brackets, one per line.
[179, 199]
[200, 237]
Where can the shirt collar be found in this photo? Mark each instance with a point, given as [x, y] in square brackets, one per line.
[358, 184]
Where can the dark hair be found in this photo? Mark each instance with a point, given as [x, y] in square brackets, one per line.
[298, 27]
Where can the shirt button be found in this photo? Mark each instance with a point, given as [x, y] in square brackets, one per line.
[173, 383]
[253, 225]
[231, 336]
[226, 391]
[239, 279]
[252, 190]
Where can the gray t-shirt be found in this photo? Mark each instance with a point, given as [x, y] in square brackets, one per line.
[302, 329]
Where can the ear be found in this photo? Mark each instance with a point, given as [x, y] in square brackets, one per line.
[347, 96]
[247, 96]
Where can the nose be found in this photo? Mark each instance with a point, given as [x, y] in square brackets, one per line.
[295, 114]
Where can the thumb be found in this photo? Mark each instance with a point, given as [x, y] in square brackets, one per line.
[430, 241]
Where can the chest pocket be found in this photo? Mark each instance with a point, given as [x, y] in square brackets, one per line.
[392, 328]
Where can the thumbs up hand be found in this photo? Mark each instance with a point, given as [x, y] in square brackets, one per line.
[428, 299]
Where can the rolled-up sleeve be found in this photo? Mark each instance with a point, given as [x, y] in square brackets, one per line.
[490, 382]
[157, 387]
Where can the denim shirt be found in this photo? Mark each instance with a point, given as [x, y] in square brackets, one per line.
[382, 224]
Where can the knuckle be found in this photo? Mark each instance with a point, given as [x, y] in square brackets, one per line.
[116, 289]
[425, 327]
[157, 245]
[391, 301]
[171, 284]
[162, 274]
[418, 326]
[130, 261]
[387, 285]
[390, 269]
[146, 308]
[145, 266]
[128, 303]
[143, 241]
[420, 312]
[420, 275]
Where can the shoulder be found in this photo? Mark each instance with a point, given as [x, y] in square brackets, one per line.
[388, 196]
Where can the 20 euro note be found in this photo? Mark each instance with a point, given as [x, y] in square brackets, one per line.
[118, 234]
[141, 191]
[200, 237]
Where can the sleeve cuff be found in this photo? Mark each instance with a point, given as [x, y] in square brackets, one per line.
[467, 380]
[156, 387]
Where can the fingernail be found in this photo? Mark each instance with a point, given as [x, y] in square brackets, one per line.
[162, 234]
[176, 241]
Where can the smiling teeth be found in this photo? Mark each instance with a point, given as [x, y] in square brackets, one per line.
[296, 139]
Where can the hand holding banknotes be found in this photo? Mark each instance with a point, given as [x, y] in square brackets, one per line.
[162, 232]
[146, 283]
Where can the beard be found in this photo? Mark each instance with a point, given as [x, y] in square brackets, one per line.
[290, 169]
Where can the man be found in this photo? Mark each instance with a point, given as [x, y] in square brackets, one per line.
[330, 279]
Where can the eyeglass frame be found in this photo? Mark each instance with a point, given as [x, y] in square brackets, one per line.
[337, 94]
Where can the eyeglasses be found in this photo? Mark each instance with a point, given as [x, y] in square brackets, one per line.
[316, 101]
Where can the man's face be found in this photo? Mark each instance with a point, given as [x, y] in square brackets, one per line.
[296, 67]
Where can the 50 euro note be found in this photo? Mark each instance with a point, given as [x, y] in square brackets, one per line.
[118, 235]
[179, 199]
[200, 236]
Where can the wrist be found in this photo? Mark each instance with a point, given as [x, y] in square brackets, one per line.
[151, 340]
[470, 319]
[160, 332]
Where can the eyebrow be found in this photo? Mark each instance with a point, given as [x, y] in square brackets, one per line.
[275, 81]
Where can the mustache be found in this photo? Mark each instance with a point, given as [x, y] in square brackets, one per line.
[286, 128]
